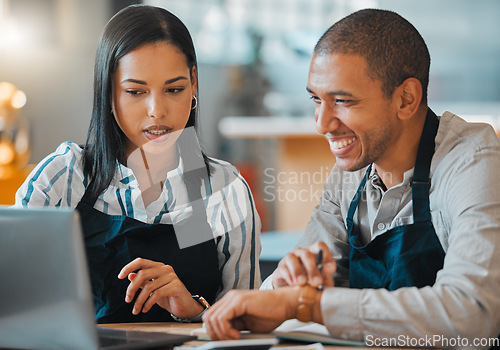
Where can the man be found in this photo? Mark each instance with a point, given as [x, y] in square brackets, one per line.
[409, 219]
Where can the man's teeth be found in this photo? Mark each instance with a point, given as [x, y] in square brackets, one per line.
[342, 144]
[157, 132]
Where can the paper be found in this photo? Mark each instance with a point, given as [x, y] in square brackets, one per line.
[292, 330]
[310, 333]
[201, 333]
[316, 346]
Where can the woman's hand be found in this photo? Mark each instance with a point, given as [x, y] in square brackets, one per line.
[158, 284]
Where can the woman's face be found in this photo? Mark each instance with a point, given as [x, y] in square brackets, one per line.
[151, 96]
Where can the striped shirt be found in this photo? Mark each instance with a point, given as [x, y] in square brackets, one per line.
[58, 181]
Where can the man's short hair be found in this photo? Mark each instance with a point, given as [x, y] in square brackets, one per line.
[392, 47]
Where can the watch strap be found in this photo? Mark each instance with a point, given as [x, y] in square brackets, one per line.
[203, 302]
[307, 298]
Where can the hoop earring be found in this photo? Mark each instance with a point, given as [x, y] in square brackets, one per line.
[195, 102]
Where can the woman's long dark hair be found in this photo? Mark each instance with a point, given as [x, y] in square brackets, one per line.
[130, 28]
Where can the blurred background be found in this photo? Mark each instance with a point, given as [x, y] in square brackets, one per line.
[253, 61]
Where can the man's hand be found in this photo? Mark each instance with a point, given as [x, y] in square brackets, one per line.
[258, 311]
[300, 267]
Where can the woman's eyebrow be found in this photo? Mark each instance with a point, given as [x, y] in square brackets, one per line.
[130, 80]
[142, 82]
[173, 80]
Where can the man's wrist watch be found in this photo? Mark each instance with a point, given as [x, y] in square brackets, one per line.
[307, 298]
[203, 302]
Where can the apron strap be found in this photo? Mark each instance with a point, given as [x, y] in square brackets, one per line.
[89, 197]
[354, 202]
[421, 183]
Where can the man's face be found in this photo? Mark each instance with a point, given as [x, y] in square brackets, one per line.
[358, 121]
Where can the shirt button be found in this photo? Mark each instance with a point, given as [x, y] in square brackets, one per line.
[380, 226]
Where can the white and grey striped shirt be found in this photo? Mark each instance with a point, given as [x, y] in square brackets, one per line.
[59, 181]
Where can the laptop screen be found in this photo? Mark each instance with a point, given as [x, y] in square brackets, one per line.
[46, 296]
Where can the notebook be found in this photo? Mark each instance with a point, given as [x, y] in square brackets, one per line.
[291, 330]
[310, 332]
[45, 294]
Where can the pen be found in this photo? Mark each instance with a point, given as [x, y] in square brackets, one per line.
[319, 264]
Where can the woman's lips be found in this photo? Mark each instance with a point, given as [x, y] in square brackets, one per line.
[157, 133]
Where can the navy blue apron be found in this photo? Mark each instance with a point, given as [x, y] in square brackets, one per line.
[112, 241]
[407, 255]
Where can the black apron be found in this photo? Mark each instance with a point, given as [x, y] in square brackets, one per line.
[112, 241]
[407, 255]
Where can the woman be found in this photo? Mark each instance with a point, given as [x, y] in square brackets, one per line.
[166, 228]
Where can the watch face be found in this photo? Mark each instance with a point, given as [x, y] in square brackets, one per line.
[202, 301]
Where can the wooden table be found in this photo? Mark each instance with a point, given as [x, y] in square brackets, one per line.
[162, 327]
[186, 328]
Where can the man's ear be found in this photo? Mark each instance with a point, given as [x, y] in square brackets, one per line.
[409, 98]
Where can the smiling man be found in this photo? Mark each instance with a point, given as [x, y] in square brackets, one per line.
[409, 220]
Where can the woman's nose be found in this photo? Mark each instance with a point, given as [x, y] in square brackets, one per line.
[156, 106]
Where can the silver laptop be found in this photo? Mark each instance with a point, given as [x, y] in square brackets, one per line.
[45, 294]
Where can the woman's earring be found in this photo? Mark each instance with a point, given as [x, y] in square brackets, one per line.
[195, 102]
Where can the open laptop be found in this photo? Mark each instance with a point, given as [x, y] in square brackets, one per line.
[45, 293]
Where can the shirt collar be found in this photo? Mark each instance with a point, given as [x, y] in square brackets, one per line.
[125, 175]
[376, 181]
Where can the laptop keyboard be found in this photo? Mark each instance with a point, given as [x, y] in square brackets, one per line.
[110, 338]
[129, 339]
[105, 341]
